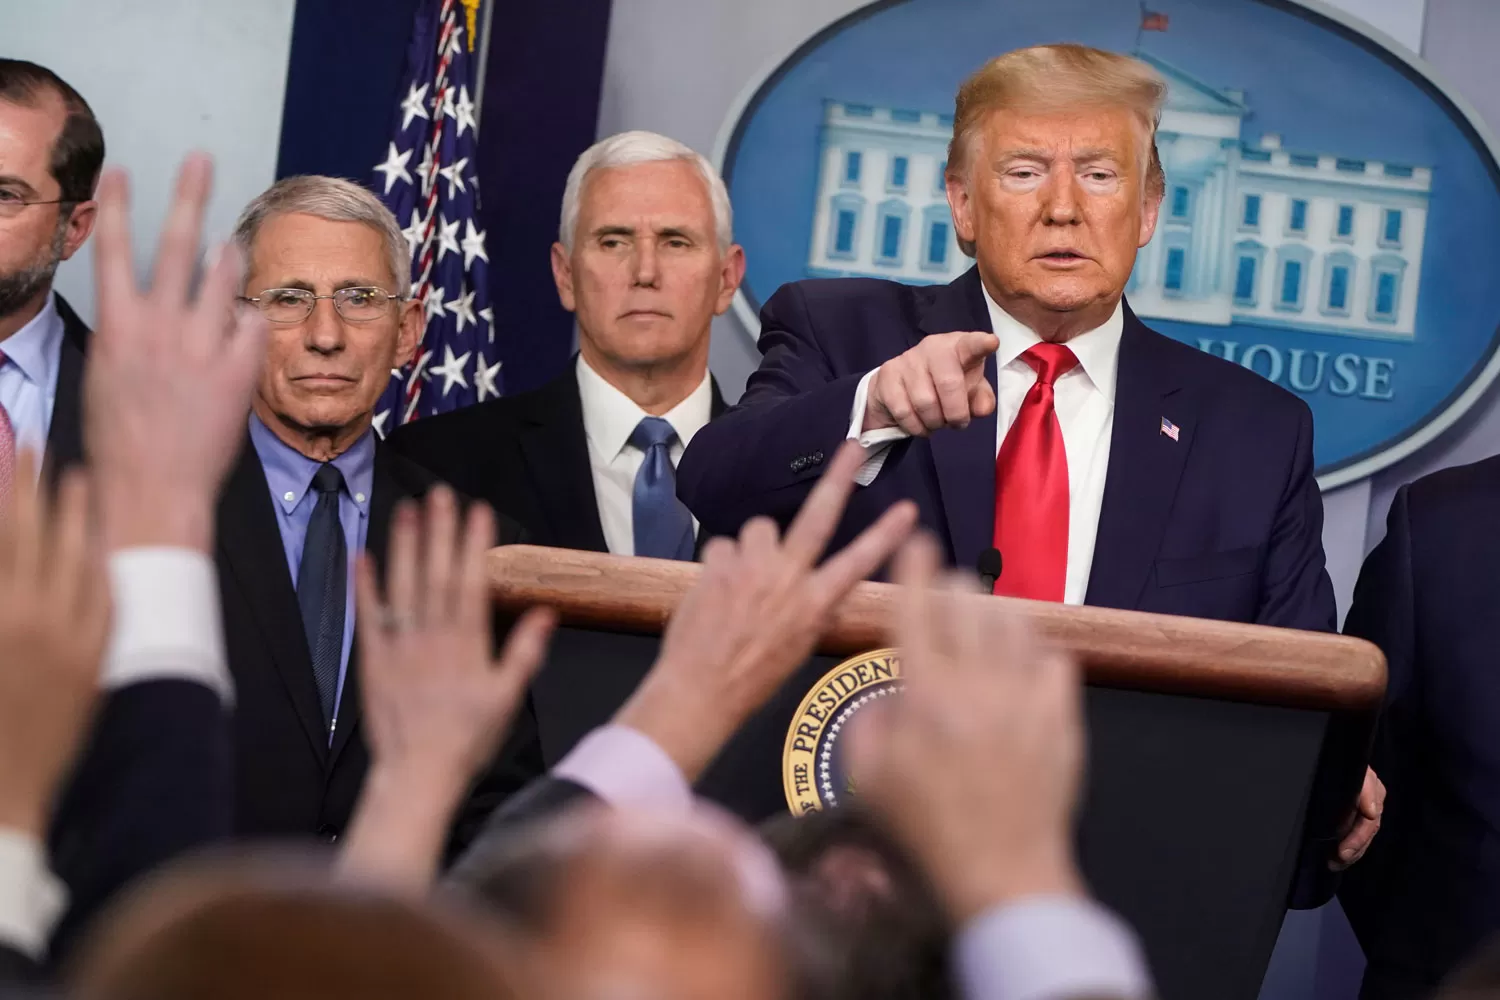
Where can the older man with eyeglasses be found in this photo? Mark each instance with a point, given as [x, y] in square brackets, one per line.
[326, 265]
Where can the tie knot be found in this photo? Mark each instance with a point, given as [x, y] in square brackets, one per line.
[328, 479]
[1050, 361]
[652, 431]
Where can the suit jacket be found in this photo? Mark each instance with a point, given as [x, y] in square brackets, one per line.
[527, 455]
[1225, 522]
[65, 434]
[289, 780]
[1428, 891]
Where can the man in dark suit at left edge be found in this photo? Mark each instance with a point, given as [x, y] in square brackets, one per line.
[327, 266]
[51, 152]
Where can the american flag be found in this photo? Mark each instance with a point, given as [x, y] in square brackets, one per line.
[1152, 20]
[429, 181]
[1170, 429]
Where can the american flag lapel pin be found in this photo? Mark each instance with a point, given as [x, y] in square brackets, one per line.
[1170, 429]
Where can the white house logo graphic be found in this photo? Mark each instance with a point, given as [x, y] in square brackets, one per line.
[1253, 234]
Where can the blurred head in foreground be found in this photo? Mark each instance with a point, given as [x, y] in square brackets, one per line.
[253, 929]
[617, 905]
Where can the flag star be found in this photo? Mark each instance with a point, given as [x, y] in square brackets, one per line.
[447, 237]
[445, 103]
[463, 309]
[484, 378]
[434, 301]
[464, 111]
[473, 245]
[453, 174]
[394, 167]
[452, 369]
[488, 315]
[427, 169]
[380, 419]
[453, 43]
[416, 233]
[415, 105]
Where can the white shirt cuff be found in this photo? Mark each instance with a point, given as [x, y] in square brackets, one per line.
[167, 620]
[1050, 948]
[625, 768]
[877, 444]
[31, 897]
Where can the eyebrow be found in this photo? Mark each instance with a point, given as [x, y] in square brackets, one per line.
[307, 286]
[10, 180]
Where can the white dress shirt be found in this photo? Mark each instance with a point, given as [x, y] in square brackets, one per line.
[166, 626]
[1084, 399]
[28, 377]
[609, 418]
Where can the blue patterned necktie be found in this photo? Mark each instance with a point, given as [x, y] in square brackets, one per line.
[322, 586]
[663, 526]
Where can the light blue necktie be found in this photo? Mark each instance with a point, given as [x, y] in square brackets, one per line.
[663, 526]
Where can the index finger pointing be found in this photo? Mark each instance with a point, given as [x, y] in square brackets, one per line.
[974, 346]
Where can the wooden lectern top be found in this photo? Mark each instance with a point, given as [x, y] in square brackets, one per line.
[1121, 649]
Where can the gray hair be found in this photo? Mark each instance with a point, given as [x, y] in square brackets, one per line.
[628, 148]
[336, 200]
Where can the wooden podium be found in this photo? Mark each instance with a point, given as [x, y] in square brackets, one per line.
[1222, 757]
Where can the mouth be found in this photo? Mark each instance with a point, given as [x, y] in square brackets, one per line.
[645, 313]
[322, 380]
[1062, 257]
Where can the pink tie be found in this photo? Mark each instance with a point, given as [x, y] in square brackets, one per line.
[7, 453]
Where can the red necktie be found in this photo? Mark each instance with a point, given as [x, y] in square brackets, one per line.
[1031, 488]
[7, 453]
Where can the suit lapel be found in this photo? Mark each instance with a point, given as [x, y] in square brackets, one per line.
[250, 544]
[1145, 466]
[65, 436]
[965, 459]
[556, 450]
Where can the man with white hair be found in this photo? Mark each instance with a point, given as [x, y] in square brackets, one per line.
[326, 265]
[645, 260]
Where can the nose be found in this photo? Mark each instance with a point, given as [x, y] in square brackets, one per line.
[324, 330]
[647, 266]
[1060, 199]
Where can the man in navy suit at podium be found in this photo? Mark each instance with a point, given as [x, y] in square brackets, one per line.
[1023, 406]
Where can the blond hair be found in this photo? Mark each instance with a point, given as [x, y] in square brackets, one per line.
[1059, 77]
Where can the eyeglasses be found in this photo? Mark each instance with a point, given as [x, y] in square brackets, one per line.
[11, 204]
[293, 305]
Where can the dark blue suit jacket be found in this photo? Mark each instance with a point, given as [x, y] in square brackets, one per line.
[1226, 522]
[1428, 892]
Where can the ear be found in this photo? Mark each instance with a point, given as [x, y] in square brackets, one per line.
[961, 205]
[80, 225]
[1150, 211]
[562, 274]
[731, 273]
[409, 335]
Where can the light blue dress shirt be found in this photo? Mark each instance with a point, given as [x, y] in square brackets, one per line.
[289, 475]
[28, 377]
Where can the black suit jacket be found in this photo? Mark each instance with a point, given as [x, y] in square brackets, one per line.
[1428, 892]
[527, 455]
[289, 781]
[65, 435]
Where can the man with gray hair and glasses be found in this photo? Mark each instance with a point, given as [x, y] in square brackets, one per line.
[645, 259]
[327, 267]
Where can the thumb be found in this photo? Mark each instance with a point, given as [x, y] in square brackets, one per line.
[981, 398]
[974, 346]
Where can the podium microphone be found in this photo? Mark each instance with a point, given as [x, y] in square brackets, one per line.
[989, 568]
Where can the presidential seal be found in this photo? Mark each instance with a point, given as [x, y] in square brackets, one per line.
[813, 768]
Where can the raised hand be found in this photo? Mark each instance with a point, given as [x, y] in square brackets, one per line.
[436, 702]
[169, 377]
[754, 616]
[54, 618]
[977, 765]
[938, 383]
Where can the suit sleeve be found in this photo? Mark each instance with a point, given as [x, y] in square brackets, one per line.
[1295, 589]
[1384, 612]
[764, 455]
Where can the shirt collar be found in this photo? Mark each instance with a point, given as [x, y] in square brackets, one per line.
[610, 416]
[1097, 350]
[34, 348]
[289, 473]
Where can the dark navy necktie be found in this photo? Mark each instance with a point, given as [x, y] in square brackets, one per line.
[663, 526]
[322, 586]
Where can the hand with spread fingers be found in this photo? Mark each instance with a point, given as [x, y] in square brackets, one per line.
[756, 613]
[436, 701]
[168, 383]
[993, 822]
[54, 619]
